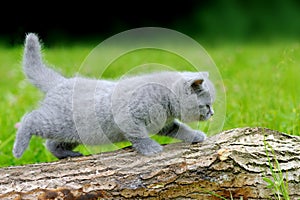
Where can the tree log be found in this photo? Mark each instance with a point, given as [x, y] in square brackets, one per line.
[231, 163]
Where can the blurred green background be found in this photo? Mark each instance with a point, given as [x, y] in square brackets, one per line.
[255, 45]
[208, 20]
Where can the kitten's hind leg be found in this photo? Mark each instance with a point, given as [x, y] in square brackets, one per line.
[183, 132]
[23, 135]
[62, 149]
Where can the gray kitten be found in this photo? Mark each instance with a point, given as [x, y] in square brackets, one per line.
[79, 110]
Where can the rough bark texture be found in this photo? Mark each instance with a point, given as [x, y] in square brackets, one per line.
[233, 163]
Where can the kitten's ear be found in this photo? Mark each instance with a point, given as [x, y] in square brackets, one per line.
[194, 79]
[197, 83]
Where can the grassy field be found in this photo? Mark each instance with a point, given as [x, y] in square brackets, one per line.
[261, 81]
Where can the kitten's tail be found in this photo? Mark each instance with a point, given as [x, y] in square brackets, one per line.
[36, 71]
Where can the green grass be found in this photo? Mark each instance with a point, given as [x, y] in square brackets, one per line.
[278, 183]
[261, 80]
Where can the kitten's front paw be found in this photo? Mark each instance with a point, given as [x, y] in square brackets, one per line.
[199, 137]
[193, 136]
[147, 146]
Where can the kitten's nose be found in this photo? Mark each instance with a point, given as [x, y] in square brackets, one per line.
[212, 112]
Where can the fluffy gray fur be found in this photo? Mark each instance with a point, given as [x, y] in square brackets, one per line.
[88, 111]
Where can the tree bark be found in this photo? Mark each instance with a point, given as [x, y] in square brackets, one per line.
[232, 163]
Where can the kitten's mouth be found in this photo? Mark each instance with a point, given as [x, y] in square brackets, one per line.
[204, 118]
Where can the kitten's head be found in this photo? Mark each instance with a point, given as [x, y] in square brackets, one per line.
[197, 95]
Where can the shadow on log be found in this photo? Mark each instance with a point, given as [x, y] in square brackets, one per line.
[230, 163]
